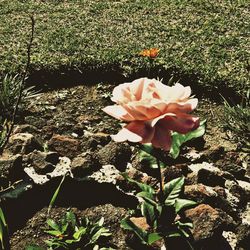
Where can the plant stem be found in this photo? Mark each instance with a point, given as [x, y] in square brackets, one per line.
[160, 177]
[13, 120]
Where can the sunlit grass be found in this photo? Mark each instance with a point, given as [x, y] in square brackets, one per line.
[207, 40]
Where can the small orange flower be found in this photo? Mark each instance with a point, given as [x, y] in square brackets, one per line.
[151, 53]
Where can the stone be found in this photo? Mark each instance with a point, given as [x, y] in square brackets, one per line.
[84, 164]
[64, 145]
[117, 154]
[214, 196]
[210, 178]
[106, 174]
[62, 168]
[175, 171]
[140, 222]
[23, 143]
[243, 236]
[11, 167]
[236, 170]
[208, 174]
[208, 222]
[26, 128]
[43, 162]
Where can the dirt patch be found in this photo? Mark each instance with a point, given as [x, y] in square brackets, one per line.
[75, 115]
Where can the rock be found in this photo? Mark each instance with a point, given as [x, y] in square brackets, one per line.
[140, 222]
[214, 196]
[42, 162]
[94, 140]
[64, 145]
[84, 164]
[191, 178]
[208, 222]
[236, 170]
[62, 168]
[26, 128]
[240, 189]
[135, 175]
[11, 168]
[106, 174]
[37, 122]
[243, 236]
[23, 143]
[236, 190]
[208, 174]
[214, 153]
[117, 154]
[210, 178]
[173, 172]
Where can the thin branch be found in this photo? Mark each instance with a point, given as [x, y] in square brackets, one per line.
[21, 87]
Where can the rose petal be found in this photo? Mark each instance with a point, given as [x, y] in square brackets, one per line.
[136, 131]
[118, 112]
[181, 123]
[184, 107]
[162, 137]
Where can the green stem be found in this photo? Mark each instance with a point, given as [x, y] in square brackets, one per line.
[160, 179]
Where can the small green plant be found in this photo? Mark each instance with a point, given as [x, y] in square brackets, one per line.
[4, 235]
[160, 211]
[237, 120]
[71, 233]
[53, 199]
[9, 91]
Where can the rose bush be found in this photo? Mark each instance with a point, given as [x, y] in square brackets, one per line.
[152, 111]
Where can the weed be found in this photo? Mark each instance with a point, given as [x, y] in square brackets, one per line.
[237, 120]
[71, 233]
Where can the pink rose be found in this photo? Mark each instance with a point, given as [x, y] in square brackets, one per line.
[153, 110]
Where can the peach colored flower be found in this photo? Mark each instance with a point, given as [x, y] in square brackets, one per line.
[151, 53]
[152, 111]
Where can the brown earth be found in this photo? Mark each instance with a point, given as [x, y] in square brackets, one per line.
[76, 111]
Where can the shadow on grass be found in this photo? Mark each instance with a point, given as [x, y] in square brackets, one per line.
[113, 74]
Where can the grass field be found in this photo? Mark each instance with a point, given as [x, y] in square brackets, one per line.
[208, 41]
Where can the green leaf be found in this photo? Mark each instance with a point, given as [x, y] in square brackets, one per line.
[142, 186]
[51, 204]
[149, 212]
[53, 224]
[152, 202]
[100, 222]
[78, 234]
[4, 237]
[71, 219]
[173, 234]
[153, 237]
[127, 224]
[172, 190]
[184, 224]
[178, 139]
[146, 195]
[183, 203]
[53, 232]
[148, 158]
[101, 232]
[34, 247]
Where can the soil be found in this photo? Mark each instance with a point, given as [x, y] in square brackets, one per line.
[76, 111]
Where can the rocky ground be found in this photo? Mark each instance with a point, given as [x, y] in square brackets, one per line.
[65, 130]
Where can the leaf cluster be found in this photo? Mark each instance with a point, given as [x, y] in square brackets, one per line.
[161, 212]
[71, 233]
[148, 155]
[9, 91]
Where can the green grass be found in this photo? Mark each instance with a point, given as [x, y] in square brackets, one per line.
[207, 40]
